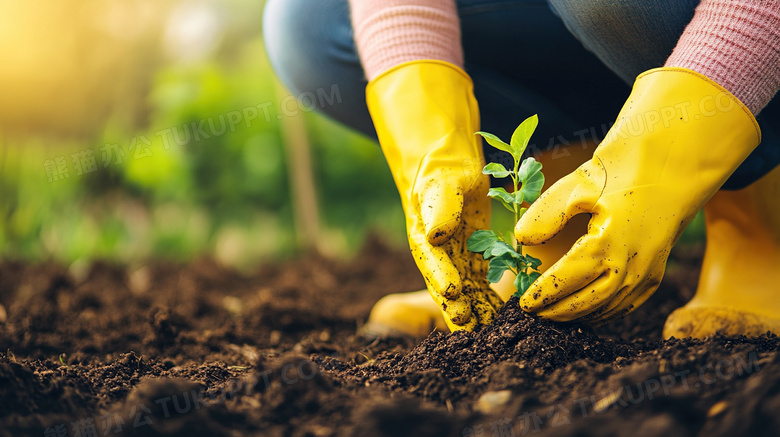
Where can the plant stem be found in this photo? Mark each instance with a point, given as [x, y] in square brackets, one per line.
[516, 209]
[518, 248]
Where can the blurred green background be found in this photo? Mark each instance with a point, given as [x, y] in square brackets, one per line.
[91, 83]
[102, 153]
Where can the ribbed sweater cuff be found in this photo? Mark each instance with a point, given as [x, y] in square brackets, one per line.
[736, 43]
[390, 32]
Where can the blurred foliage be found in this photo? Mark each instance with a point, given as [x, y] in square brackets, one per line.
[119, 94]
[198, 175]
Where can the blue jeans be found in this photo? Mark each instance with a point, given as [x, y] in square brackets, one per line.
[524, 56]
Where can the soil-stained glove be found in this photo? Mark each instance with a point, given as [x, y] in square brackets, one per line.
[675, 142]
[425, 116]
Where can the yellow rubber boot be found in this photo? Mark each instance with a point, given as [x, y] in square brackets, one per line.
[415, 314]
[739, 286]
[412, 314]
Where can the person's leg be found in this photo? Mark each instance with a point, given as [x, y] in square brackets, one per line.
[310, 45]
[524, 62]
[628, 36]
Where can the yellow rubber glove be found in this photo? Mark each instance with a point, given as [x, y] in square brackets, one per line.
[425, 116]
[675, 142]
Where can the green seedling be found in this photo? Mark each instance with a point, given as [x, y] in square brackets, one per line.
[527, 180]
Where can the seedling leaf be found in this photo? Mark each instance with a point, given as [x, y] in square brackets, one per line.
[521, 278]
[532, 262]
[497, 170]
[532, 179]
[498, 266]
[522, 135]
[495, 142]
[481, 241]
[505, 198]
[524, 280]
[501, 248]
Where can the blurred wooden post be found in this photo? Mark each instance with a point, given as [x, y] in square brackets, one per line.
[299, 169]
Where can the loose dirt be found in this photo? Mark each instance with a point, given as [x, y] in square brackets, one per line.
[196, 349]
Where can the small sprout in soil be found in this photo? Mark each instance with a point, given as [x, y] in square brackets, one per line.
[368, 359]
[62, 359]
[527, 181]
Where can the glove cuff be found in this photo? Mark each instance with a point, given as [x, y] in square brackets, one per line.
[425, 116]
[433, 63]
[721, 91]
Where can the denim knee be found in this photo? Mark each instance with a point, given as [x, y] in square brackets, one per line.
[311, 48]
[628, 36]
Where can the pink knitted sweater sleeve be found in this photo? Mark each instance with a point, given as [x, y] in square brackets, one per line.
[390, 32]
[736, 43]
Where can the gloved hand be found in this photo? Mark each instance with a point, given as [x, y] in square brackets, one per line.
[675, 142]
[425, 116]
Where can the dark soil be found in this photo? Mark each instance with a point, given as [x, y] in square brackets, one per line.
[199, 350]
